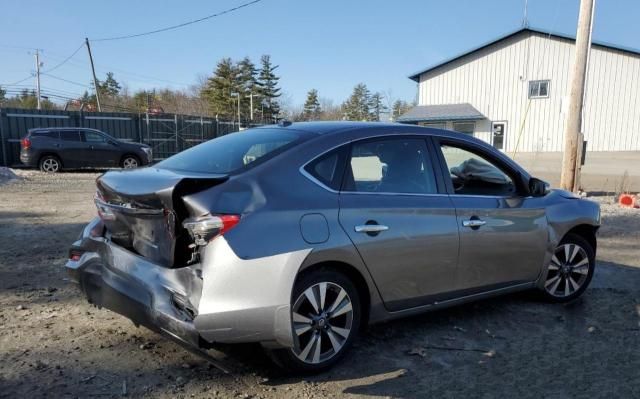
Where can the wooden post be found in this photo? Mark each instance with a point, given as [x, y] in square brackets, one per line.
[572, 143]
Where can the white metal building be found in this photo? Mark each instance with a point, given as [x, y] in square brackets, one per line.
[513, 92]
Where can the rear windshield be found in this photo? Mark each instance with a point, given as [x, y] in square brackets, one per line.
[234, 151]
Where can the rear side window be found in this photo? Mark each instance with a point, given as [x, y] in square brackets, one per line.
[393, 165]
[234, 151]
[48, 134]
[70, 135]
[329, 168]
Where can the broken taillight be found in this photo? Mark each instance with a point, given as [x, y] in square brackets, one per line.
[75, 255]
[205, 229]
[104, 211]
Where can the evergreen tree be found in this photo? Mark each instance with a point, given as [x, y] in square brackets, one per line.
[110, 86]
[248, 82]
[219, 87]
[269, 90]
[356, 108]
[399, 107]
[312, 109]
[376, 106]
[2, 94]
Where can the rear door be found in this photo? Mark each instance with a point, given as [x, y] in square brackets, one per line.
[503, 232]
[71, 149]
[99, 151]
[403, 227]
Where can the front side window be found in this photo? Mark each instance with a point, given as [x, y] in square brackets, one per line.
[396, 165]
[235, 151]
[474, 174]
[538, 89]
[93, 137]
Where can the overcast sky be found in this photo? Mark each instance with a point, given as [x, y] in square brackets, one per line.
[329, 45]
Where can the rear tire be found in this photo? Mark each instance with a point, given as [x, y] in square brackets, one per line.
[130, 162]
[50, 164]
[570, 270]
[321, 336]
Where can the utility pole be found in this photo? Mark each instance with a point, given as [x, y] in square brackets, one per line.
[93, 70]
[37, 55]
[570, 176]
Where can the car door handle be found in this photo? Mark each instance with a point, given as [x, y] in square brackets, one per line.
[371, 228]
[473, 223]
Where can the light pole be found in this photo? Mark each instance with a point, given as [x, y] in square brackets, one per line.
[251, 95]
[237, 95]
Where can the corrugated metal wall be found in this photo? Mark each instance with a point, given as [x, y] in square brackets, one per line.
[495, 80]
[166, 133]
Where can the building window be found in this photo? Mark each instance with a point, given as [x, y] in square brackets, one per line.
[439, 125]
[538, 89]
[464, 127]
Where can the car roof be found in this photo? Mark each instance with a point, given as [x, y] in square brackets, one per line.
[337, 127]
[35, 129]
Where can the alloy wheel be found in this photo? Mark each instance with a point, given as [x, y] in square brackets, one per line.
[50, 165]
[568, 270]
[322, 322]
[130, 163]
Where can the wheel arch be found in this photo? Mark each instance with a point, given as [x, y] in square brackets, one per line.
[50, 153]
[586, 231]
[130, 154]
[353, 274]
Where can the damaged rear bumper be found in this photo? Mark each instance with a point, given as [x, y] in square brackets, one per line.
[218, 301]
[149, 295]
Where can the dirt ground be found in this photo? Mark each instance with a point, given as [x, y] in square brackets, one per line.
[54, 344]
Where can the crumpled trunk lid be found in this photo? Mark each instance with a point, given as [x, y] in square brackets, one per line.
[142, 210]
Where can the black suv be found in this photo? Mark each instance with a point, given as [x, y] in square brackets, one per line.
[52, 149]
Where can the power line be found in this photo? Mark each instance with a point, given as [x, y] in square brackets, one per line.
[16, 83]
[68, 81]
[106, 68]
[179, 25]
[65, 60]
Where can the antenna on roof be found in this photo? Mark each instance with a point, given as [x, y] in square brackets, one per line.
[525, 21]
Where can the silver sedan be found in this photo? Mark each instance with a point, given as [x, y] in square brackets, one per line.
[297, 235]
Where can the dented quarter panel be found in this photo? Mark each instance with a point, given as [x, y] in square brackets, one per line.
[565, 211]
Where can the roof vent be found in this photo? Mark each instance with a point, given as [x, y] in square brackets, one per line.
[284, 123]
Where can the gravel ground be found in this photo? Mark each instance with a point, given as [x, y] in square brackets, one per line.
[54, 344]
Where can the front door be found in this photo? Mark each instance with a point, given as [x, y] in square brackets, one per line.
[498, 130]
[503, 233]
[99, 150]
[404, 230]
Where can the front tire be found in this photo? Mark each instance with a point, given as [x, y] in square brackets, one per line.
[130, 162]
[570, 270]
[326, 316]
[50, 164]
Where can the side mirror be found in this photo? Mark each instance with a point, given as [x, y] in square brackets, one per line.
[538, 188]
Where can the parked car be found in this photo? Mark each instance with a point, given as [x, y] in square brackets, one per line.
[54, 149]
[297, 235]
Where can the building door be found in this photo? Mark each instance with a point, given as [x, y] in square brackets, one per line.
[497, 134]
